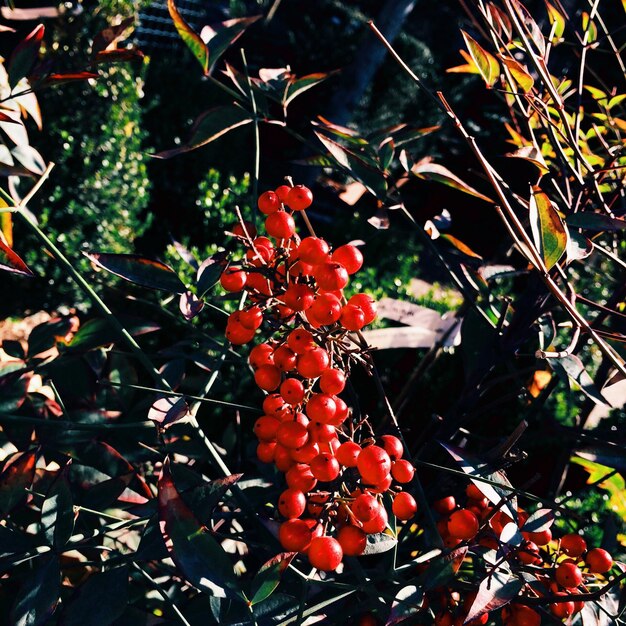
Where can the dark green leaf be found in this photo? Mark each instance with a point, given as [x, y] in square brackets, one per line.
[408, 601]
[268, 576]
[24, 56]
[442, 569]
[209, 273]
[14, 542]
[45, 335]
[39, 594]
[211, 125]
[11, 262]
[386, 153]
[496, 590]
[570, 366]
[540, 520]
[219, 38]
[549, 232]
[300, 85]
[139, 270]
[595, 221]
[57, 513]
[99, 601]
[13, 348]
[197, 554]
[17, 476]
[98, 332]
[203, 498]
[190, 37]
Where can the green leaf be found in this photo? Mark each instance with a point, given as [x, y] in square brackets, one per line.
[268, 577]
[595, 221]
[197, 554]
[17, 476]
[57, 512]
[520, 74]
[549, 232]
[408, 601]
[11, 262]
[357, 166]
[219, 39]
[139, 270]
[190, 37]
[495, 591]
[98, 332]
[557, 22]
[614, 483]
[442, 569]
[299, 85]
[203, 498]
[211, 125]
[432, 171]
[570, 366]
[39, 594]
[24, 56]
[486, 63]
[209, 273]
[99, 601]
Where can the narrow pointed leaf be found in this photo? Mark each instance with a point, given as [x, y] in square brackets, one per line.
[190, 37]
[11, 262]
[218, 39]
[168, 410]
[39, 594]
[549, 232]
[17, 476]
[557, 22]
[570, 366]
[486, 63]
[494, 592]
[139, 270]
[268, 577]
[197, 554]
[532, 155]
[520, 74]
[540, 520]
[71, 77]
[408, 601]
[57, 514]
[595, 221]
[302, 84]
[24, 56]
[211, 125]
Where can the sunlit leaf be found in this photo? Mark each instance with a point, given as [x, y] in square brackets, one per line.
[109, 37]
[211, 125]
[486, 63]
[30, 159]
[549, 232]
[39, 594]
[168, 410]
[99, 332]
[432, 171]
[268, 577]
[495, 591]
[557, 22]
[71, 77]
[589, 28]
[24, 55]
[467, 68]
[139, 270]
[378, 543]
[459, 245]
[540, 520]
[11, 262]
[190, 37]
[520, 74]
[606, 478]
[532, 155]
[302, 84]
[197, 554]
[441, 569]
[531, 26]
[190, 305]
[17, 476]
[218, 38]
[408, 601]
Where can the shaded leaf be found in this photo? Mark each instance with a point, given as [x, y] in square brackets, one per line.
[11, 262]
[190, 305]
[98, 332]
[494, 592]
[198, 556]
[14, 542]
[408, 601]
[24, 55]
[549, 232]
[268, 577]
[190, 37]
[167, 410]
[99, 601]
[209, 272]
[203, 498]
[211, 125]
[595, 221]
[30, 159]
[109, 37]
[539, 521]
[442, 569]
[39, 594]
[570, 366]
[432, 171]
[486, 63]
[219, 38]
[531, 26]
[121, 55]
[57, 513]
[139, 270]
[17, 476]
[302, 84]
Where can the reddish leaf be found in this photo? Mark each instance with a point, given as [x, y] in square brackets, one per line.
[109, 37]
[11, 262]
[167, 410]
[302, 84]
[59, 79]
[549, 232]
[139, 270]
[268, 576]
[190, 37]
[17, 476]
[408, 601]
[121, 55]
[223, 35]
[39, 594]
[24, 56]
[494, 592]
[486, 63]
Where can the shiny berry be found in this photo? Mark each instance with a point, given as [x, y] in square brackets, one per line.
[299, 198]
[325, 467]
[404, 506]
[325, 553]
[268, 202]
[598, 561]
[353, 540]
[349, 256]
[291, 503]
[463, 524]
[373, 464]
[573, 545]
[568, 575]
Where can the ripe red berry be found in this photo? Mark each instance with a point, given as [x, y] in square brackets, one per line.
[298, 297]
[568, 575]
[373, 464]
[562, 609]
[367, 304]
[280, 225]
[251, 318]
[284, 359]
[393, 447]
[402, 471]
[404, 506]
[292, 390]
[352, 317]
[282, 192]
[352, 540]
[265, 428]
[299, 198]
[376, 525]
[529, 553]
[238, 334]
[525, 616]
[325, 553]
[292, 435]
[445, 505]
[233, 279]
[463, 524]
[573, 545]
[598, 561]
[295, 535]
[326, 309]
[349, 256]
[325, 467]
[291, 503]
[331, 276]
[301, 478]
[322, 433]
[268, 202]
[261, 354]
[237, 229]
[267, 377]
[312, 363]
[273, 404]
[300, 340]
[307, 452]
[541, 538]
[321, 408]
[348, 453]
[365, 507]
[265, 451]
[332, 381]
[282, 458]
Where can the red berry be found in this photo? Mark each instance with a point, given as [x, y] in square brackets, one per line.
[393, 447]
[321, 408]
[463, 524]
[265, 451]
[562, 609]
[541, 538]
[568, 575]
[280, 225]
[352, 317]
[367, 304]
[524, 616]
[598, 561]
[292, 435]
[307, 452]
[299, 198]
[352, 540]
[238, 334]
[268, 202]
[238, 230]
[233, 279]
[376, 525]
[404, 506]
[301, 478]
[273, 404]
[325, 467]
[402, 471]
[282, 458]
[573, 545]
[322, 433]
[292, 390]
[282, 192]
[261, 354]
[349, 256]
[332, 381]
[445, 505]
[348, 453]
[312, 363]
[312, 251]
[325, 553]
[265, 428]
[298, 297]
[295, 535]
[300, 340]
[267, 377]
[365, 507]
[291, 503]
[284, 359]
[331, 276]
[251, 318]
[326, 309]
[373, 464]
[529, 553]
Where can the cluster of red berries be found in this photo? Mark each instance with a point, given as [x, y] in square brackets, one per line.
[560, 567]
[336, 471]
